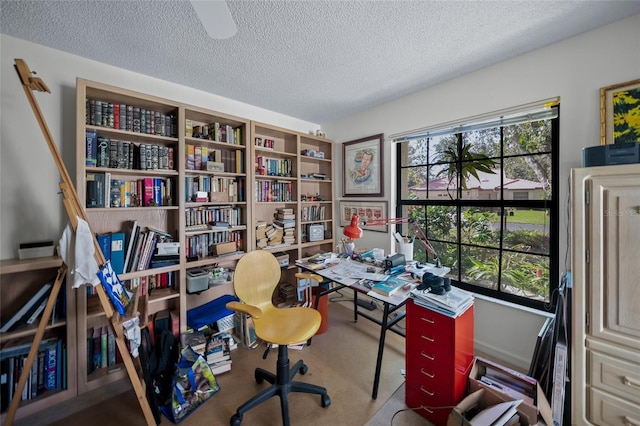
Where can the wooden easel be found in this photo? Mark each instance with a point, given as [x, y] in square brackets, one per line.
[74, 211]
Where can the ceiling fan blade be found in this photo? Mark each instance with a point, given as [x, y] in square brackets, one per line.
[215, 17]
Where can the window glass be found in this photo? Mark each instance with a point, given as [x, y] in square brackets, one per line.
[485, 198]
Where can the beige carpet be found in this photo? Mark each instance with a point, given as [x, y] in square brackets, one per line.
[342, 360]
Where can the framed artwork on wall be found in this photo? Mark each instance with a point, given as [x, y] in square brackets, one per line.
[362, 174]
[620, 113]
[365, 210]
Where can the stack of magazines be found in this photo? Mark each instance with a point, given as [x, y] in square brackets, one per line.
[452, 304]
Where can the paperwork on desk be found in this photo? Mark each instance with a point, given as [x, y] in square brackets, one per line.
[453, 303]
[347, 269]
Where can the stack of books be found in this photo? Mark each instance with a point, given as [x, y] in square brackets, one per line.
[218, 352]
[261, 234]
[452, 304]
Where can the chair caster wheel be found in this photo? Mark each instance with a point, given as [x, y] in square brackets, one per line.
[303, 369]
[325, 401]
[235, 420]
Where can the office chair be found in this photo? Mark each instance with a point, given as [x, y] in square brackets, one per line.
[256, 276]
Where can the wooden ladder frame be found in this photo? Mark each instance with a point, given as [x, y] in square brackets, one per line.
[74, 210]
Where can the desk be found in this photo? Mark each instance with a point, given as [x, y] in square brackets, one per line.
[349, 273]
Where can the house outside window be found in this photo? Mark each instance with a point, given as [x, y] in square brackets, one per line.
[485, 196]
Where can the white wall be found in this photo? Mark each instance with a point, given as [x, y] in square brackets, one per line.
[574, 70]
[30, 207]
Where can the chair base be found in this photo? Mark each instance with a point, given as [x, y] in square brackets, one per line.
[282, 384]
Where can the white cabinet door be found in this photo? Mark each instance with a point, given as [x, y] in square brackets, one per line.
[614, 273]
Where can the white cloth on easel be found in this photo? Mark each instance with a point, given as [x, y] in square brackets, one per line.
[77, 251]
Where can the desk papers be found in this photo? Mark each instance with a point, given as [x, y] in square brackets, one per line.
[452, 303]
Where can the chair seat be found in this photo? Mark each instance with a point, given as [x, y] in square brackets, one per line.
[287, 326]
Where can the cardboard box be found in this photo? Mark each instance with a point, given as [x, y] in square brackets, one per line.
[220, 197]
[531, 407]
[224, 248]
[473, 404]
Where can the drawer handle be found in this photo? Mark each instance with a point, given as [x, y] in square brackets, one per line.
[429, 357]
[430, 321]
[428, 339]
[628, 421]
[630, 382]
[429, 375]
[427, 391]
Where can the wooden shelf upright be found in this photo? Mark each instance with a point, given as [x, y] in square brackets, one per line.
[74, 210]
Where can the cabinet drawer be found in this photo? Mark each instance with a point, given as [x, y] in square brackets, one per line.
[612, 411]
[616, 376]
[431, 356]
[427, 322]
[420, 394]
[431, 376]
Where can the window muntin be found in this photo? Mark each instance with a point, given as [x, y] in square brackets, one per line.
[487, 201]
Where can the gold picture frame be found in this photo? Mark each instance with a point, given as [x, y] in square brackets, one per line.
[620, 113]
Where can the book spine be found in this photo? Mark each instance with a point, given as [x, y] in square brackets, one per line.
[50, 372]
[103, 151]
[117, 252]
[148, 194]
[104, 347]
[91, 148]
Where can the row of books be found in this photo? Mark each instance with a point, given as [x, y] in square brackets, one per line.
[47, 373]
[105, 192]
[202, 245]
[266, 143]
[130, 118]
[149, 283]
[101, 349]
[274, 191]
[312, 213]
[102, 151]
[198, 157]
[215, 131]
[204, 215]
[216, 189]
[273, 166]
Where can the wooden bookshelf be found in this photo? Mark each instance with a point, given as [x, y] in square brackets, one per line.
[21, 279]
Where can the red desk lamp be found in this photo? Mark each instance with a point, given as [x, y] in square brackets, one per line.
[354, 231]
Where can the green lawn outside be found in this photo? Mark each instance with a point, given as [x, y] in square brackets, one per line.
[532, 217]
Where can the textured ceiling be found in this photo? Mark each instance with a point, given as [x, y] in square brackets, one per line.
[314, 60]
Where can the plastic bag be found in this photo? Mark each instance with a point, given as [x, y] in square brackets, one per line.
[193, 384]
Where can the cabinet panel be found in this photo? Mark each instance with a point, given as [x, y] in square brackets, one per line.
[619, 377]
[611, 411]
[615, 231]
[605, 317]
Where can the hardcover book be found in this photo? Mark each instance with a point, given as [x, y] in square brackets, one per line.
[92, 148]
[117, 252]
[388, 287]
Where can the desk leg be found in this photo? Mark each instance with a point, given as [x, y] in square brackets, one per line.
[355, 305]
[383, 335]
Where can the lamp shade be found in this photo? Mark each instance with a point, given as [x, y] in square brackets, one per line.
[352, 230]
